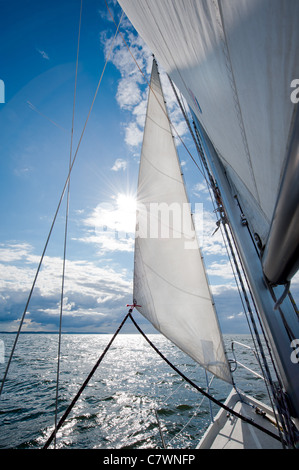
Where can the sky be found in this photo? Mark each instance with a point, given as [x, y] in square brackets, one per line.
[38, 53]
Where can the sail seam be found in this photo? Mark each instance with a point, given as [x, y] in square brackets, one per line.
[161, 127]
[176, 287]
[160, 171]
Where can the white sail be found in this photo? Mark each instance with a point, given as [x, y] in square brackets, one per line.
[169, 278]
[234, 61]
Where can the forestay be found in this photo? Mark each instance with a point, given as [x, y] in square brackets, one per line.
[169, 278]
[234, 62]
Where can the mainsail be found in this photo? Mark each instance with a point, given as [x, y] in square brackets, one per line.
[170, 282]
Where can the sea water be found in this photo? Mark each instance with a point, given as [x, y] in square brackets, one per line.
[132, 398]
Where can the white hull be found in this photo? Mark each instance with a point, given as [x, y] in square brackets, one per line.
[229, 432]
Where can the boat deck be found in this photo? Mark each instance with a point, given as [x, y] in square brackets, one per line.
[229, 432]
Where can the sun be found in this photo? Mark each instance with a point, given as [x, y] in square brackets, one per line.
[126, 203]
[125, 212]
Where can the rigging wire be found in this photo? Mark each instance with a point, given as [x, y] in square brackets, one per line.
[278, 301]
[160, 429]
[34, 108]
[248, 310]
[284, 415]
[193, 415]
[277, 392]
[223, 219]
[56, 213]
[66, 230]
[222, 222]
[164, 402]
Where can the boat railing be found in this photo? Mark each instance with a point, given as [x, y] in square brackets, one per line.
[238, 363]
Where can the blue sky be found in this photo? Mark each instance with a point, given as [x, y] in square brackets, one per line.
[38, 56]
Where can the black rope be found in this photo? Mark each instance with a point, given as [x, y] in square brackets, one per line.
[70, 407]
[201, 390]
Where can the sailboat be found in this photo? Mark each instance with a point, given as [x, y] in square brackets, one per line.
[234, 62]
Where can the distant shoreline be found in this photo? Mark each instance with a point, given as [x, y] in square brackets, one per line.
[67, 333]
[92, 333]
[63, 332]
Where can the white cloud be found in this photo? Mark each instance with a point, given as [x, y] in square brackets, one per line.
[221, 269]
[128, 93]
[91, 291]
[109, 241]
[43, 54]
[132, 88]
[133, 134]
[200, 188]
[13, 251]
[219, 289]
[236, 316]
[139, 111]
[111, 225]
[119, 164]
[211, 240]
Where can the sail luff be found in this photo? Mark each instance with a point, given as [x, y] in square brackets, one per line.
[170, 282]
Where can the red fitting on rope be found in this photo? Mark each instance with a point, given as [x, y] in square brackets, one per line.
[134, 304]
